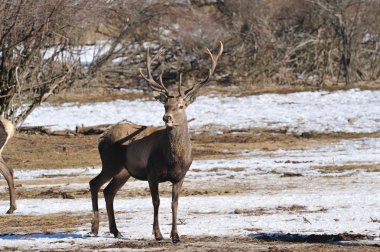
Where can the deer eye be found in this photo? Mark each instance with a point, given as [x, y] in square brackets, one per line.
[180, 106]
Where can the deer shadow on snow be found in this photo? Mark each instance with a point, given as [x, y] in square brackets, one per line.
[344, 239]
[10, 236]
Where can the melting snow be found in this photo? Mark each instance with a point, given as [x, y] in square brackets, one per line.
[331, 203]
[340, 111]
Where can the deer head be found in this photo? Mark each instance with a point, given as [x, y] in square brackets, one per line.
[175, 106]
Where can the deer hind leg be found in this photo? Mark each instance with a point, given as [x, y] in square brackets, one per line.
[175, 195]
[153, 186]
[95, 185]
[109, 194]
[7, 172]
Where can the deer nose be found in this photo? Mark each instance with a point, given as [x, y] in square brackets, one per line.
[167, 118]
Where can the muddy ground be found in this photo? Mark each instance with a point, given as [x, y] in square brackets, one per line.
[69, 149]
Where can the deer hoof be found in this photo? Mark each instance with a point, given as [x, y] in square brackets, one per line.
[94, 231]
[175, 238]
[118, 235]
[159, 238]
[11, 210]
[95, 226]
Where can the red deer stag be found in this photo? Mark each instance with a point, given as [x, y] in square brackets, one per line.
[6, 132]
[153, 154]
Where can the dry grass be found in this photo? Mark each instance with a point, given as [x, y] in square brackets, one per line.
[90, 95]
[41, 151]
[104, 94]
[33, 151]
[46, 189]
[342, 168]
[224, 244]
[267, 211]
[65, 222]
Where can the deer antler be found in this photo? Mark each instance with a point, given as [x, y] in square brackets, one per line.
[214, 59]
[159, 87]
[179, 85]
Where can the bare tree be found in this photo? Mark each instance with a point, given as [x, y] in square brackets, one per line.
[35, 60]
[343, 16]
[132, 26]
[267, 42]
[298, 41]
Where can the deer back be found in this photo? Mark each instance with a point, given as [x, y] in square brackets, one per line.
[126, 133]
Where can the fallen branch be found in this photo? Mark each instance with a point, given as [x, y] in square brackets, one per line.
[35, 129]
[92, 130]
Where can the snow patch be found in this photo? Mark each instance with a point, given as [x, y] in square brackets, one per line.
[341, 111]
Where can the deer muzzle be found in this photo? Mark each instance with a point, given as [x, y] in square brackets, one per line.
[168, 119]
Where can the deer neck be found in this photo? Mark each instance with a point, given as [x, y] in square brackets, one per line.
[179, 144]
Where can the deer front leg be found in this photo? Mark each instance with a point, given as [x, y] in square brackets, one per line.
[175, 195]
[7, 172]
[153, 186]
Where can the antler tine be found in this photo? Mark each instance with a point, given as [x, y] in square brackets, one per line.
[152, 83]
[162, 84]
[179, 85]
[214, 60]
[158, 54]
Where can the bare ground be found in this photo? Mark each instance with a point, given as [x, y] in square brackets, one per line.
[96, 94]
[27, 226]
[229, 243]
[67, 149]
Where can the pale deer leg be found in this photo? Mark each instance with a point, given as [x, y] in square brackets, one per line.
[7, 172]
[153, 186]
[109, 194]
[175, 195]
[95, 185]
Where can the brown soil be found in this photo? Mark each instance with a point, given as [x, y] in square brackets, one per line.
[31, 151]
[64, 150]
[67, 149]
[93, 94]
[369, 168]
[210, 243]
[89, 95]
[43, 224]
[65, 223]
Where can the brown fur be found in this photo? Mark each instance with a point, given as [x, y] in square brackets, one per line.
[6, 132]
[155, 154]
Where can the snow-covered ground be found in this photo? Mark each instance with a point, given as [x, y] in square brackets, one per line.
[340, 111]
[324, 209]
[363, 151]
[86, 54]
[315, 201]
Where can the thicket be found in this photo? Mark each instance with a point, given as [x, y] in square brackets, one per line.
[267, 42]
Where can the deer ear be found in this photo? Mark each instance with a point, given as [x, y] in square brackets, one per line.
[160, 97]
